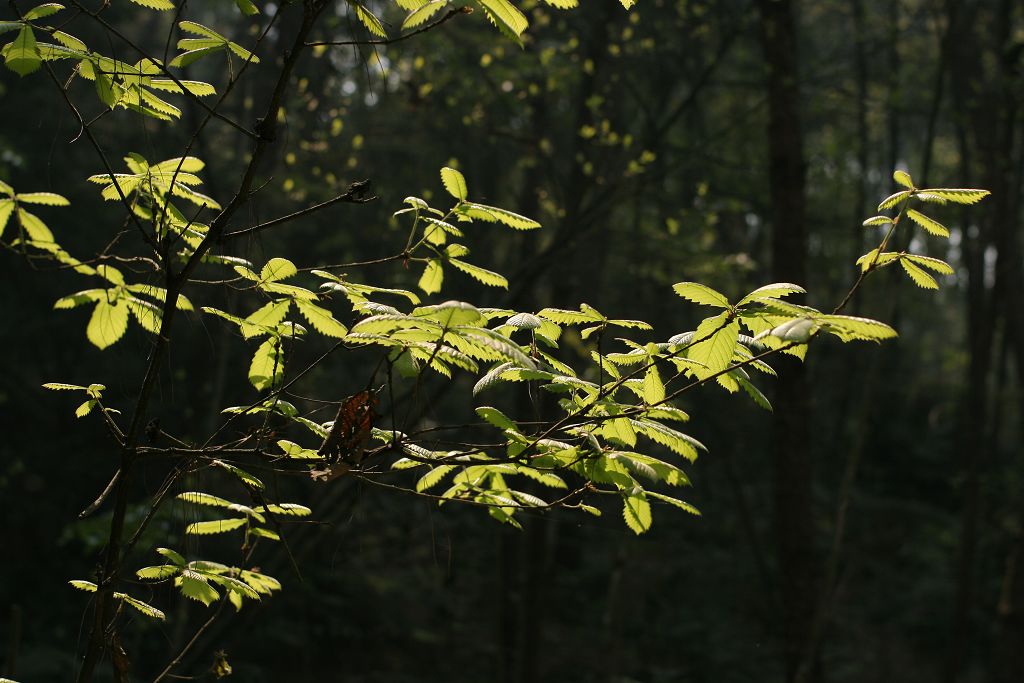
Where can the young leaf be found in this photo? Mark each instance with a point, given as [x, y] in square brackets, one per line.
[267, 366]
[700, 294]
[454, 183]
[487, 277]
[903, 178]
[22, 56]
[505, 16]
[772, 291]
[421, 14]
[893, 199]
[940, 267]
[433, 477]
[108, 323]
[141, 606]
[47, 198]
[958, 195]
[155, 4]
[321, 319]
[929, 224]
[877, 220]
[493, 214]
[433, 276]
[719, 336]
[496, 418]
[193, 585]
[368, 19]
[920, 278]
[216, 526]
[653, 387]
[277, 269]
[636, 510]
[682, 505]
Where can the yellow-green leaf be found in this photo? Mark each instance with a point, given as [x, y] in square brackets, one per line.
[700, 294]
[321, 319]
[929, 224]
[433, 276]
[454, 183]
[108, 323]
[920, 278]
[636, 510]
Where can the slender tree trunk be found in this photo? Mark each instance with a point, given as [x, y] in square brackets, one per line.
[793, 466]
[991, 113]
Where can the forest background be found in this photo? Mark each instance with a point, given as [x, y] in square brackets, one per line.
[654, 146]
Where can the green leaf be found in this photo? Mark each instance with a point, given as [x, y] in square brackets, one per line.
[653, 387]
[566, 317]
[939, 266]
[420, 16]
[920, 278]
[957, 195]
[164, 571]
[172, 556]
[321, 319]
[60, 386]
[487, 277]
[277, 269]
[433, 276]
[156, 4]
[772, 291]
[141, 606]
[433, 477]
[85, 408]
[368, 19]
[893, 199]
[682, 505]
[108, 323]
[46, 198]
[146, 314]
[929, 224]
[44, 10]
[493, 214]
[267, 366]
[264, 533]
[700, 294]
[795, 330]
[6, 209]
[759, 398]
[216, 526]
[294, 450]
[877, 220]
[454, 182]
[22, 56]
[636, 510]
[87, 586]
[264, 319]
[720, 336]
[903, 178]
[247, 7]
[849, 328]
[505, 16]
[683, 444]
[285, 510]
[243, 476]
[70, 42]
[496, 418]
[193, 585]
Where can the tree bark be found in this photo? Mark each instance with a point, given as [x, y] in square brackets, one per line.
[793, 472]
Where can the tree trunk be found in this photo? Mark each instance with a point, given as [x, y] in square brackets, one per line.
[793, 467]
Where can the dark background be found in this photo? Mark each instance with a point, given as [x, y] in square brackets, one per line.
[733, 143]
